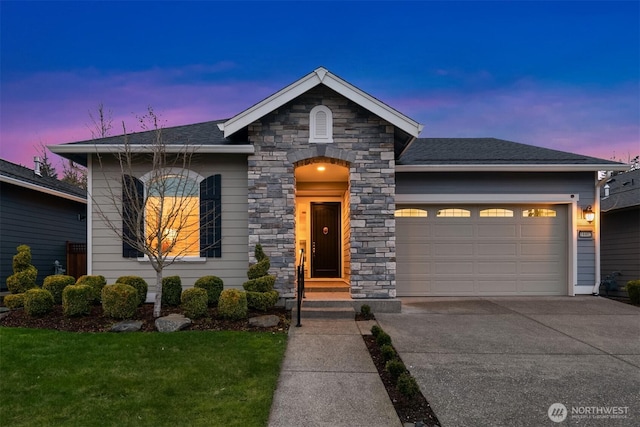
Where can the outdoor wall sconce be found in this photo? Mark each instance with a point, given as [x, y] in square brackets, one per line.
[588, 214]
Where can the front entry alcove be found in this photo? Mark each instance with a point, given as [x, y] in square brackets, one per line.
[323, 223]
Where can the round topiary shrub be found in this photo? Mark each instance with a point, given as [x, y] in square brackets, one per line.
[262, 300]
[233, 304]
[387, 352]
[171, 290]
[633, 289]
[24, 274]
[138, 283]
[376, 330]
[14, 301]
[193, 302]
[213, 285]
[77, 300]
[395, 368]
[382, 339]
[407, 385]
[262, 266]
[38, 302]
[119, 301]
[96, 283]
[260, 284]
[56, 284]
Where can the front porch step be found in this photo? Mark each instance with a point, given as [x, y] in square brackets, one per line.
[324, 313]
[310, 287]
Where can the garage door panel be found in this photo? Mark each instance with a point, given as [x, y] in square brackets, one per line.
[449, 249]
[498, 268]
[540, 268]
[483, 255]
[554, 249]
[497, 230]
[454, 267]
[497, 249]
[453, 228]
[451, 286]
[497, 287]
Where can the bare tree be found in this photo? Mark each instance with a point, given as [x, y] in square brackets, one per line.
[158, 216]
[101, 122]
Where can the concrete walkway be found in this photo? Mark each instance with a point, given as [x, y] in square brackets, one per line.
[328, 379]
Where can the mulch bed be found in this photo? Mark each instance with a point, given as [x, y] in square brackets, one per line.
[410, 410]
[96, 321]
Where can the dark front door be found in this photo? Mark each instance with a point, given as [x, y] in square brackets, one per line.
[325, 239]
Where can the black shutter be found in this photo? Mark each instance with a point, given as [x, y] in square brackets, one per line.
[132, 201]
[210, 217]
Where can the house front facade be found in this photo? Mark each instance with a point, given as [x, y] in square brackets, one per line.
[323, 168]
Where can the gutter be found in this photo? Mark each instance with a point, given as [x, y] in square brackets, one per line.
[120, 148]
[513, 168]
[41, 189]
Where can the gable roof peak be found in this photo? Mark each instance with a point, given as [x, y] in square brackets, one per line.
[320, 76]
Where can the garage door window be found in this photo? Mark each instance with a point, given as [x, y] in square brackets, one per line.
[496, 213]
[533, 213]
[411, 213]
[453, 213]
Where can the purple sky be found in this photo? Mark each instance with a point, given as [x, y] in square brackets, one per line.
[563, 75]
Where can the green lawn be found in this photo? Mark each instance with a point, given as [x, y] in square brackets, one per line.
[185, 378]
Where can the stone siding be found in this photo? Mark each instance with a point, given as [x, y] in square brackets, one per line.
[362, 141]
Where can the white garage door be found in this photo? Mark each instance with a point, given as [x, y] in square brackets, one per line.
[481, 250]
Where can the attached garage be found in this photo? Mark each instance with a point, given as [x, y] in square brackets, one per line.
[475, 250]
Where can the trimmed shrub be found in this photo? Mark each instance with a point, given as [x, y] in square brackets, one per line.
[24, 274]
[261, 284]
[383, 338]
[262, 300]
[193, 302]
[119, 300]
[365, 311]
[171, 290]
[395, 368]
[261, 268]
[77, 300]
[407, 385]
[14, 301]
[376, 330]
[56, 284]
[633, 289]
[138, 283]
[213, 285]
[388, 352]
[233, 304]
[96, 283]
[38, 302]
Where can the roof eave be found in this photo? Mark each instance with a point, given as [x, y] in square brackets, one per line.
[145, 148]
[311, 80]
[46, 190]
[512, 168]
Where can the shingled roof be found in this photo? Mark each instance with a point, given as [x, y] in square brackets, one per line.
[487, 151]
[19, 175]
[624, 191]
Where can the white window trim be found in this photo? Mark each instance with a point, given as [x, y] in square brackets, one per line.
[145, 259]
[313, 137]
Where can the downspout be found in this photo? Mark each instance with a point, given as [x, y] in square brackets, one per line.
[599, 183]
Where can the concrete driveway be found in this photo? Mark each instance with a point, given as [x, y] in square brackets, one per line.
[504, 361]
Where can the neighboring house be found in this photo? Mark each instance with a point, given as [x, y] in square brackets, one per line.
[325, 167]
[620, 229]
[41, 212]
